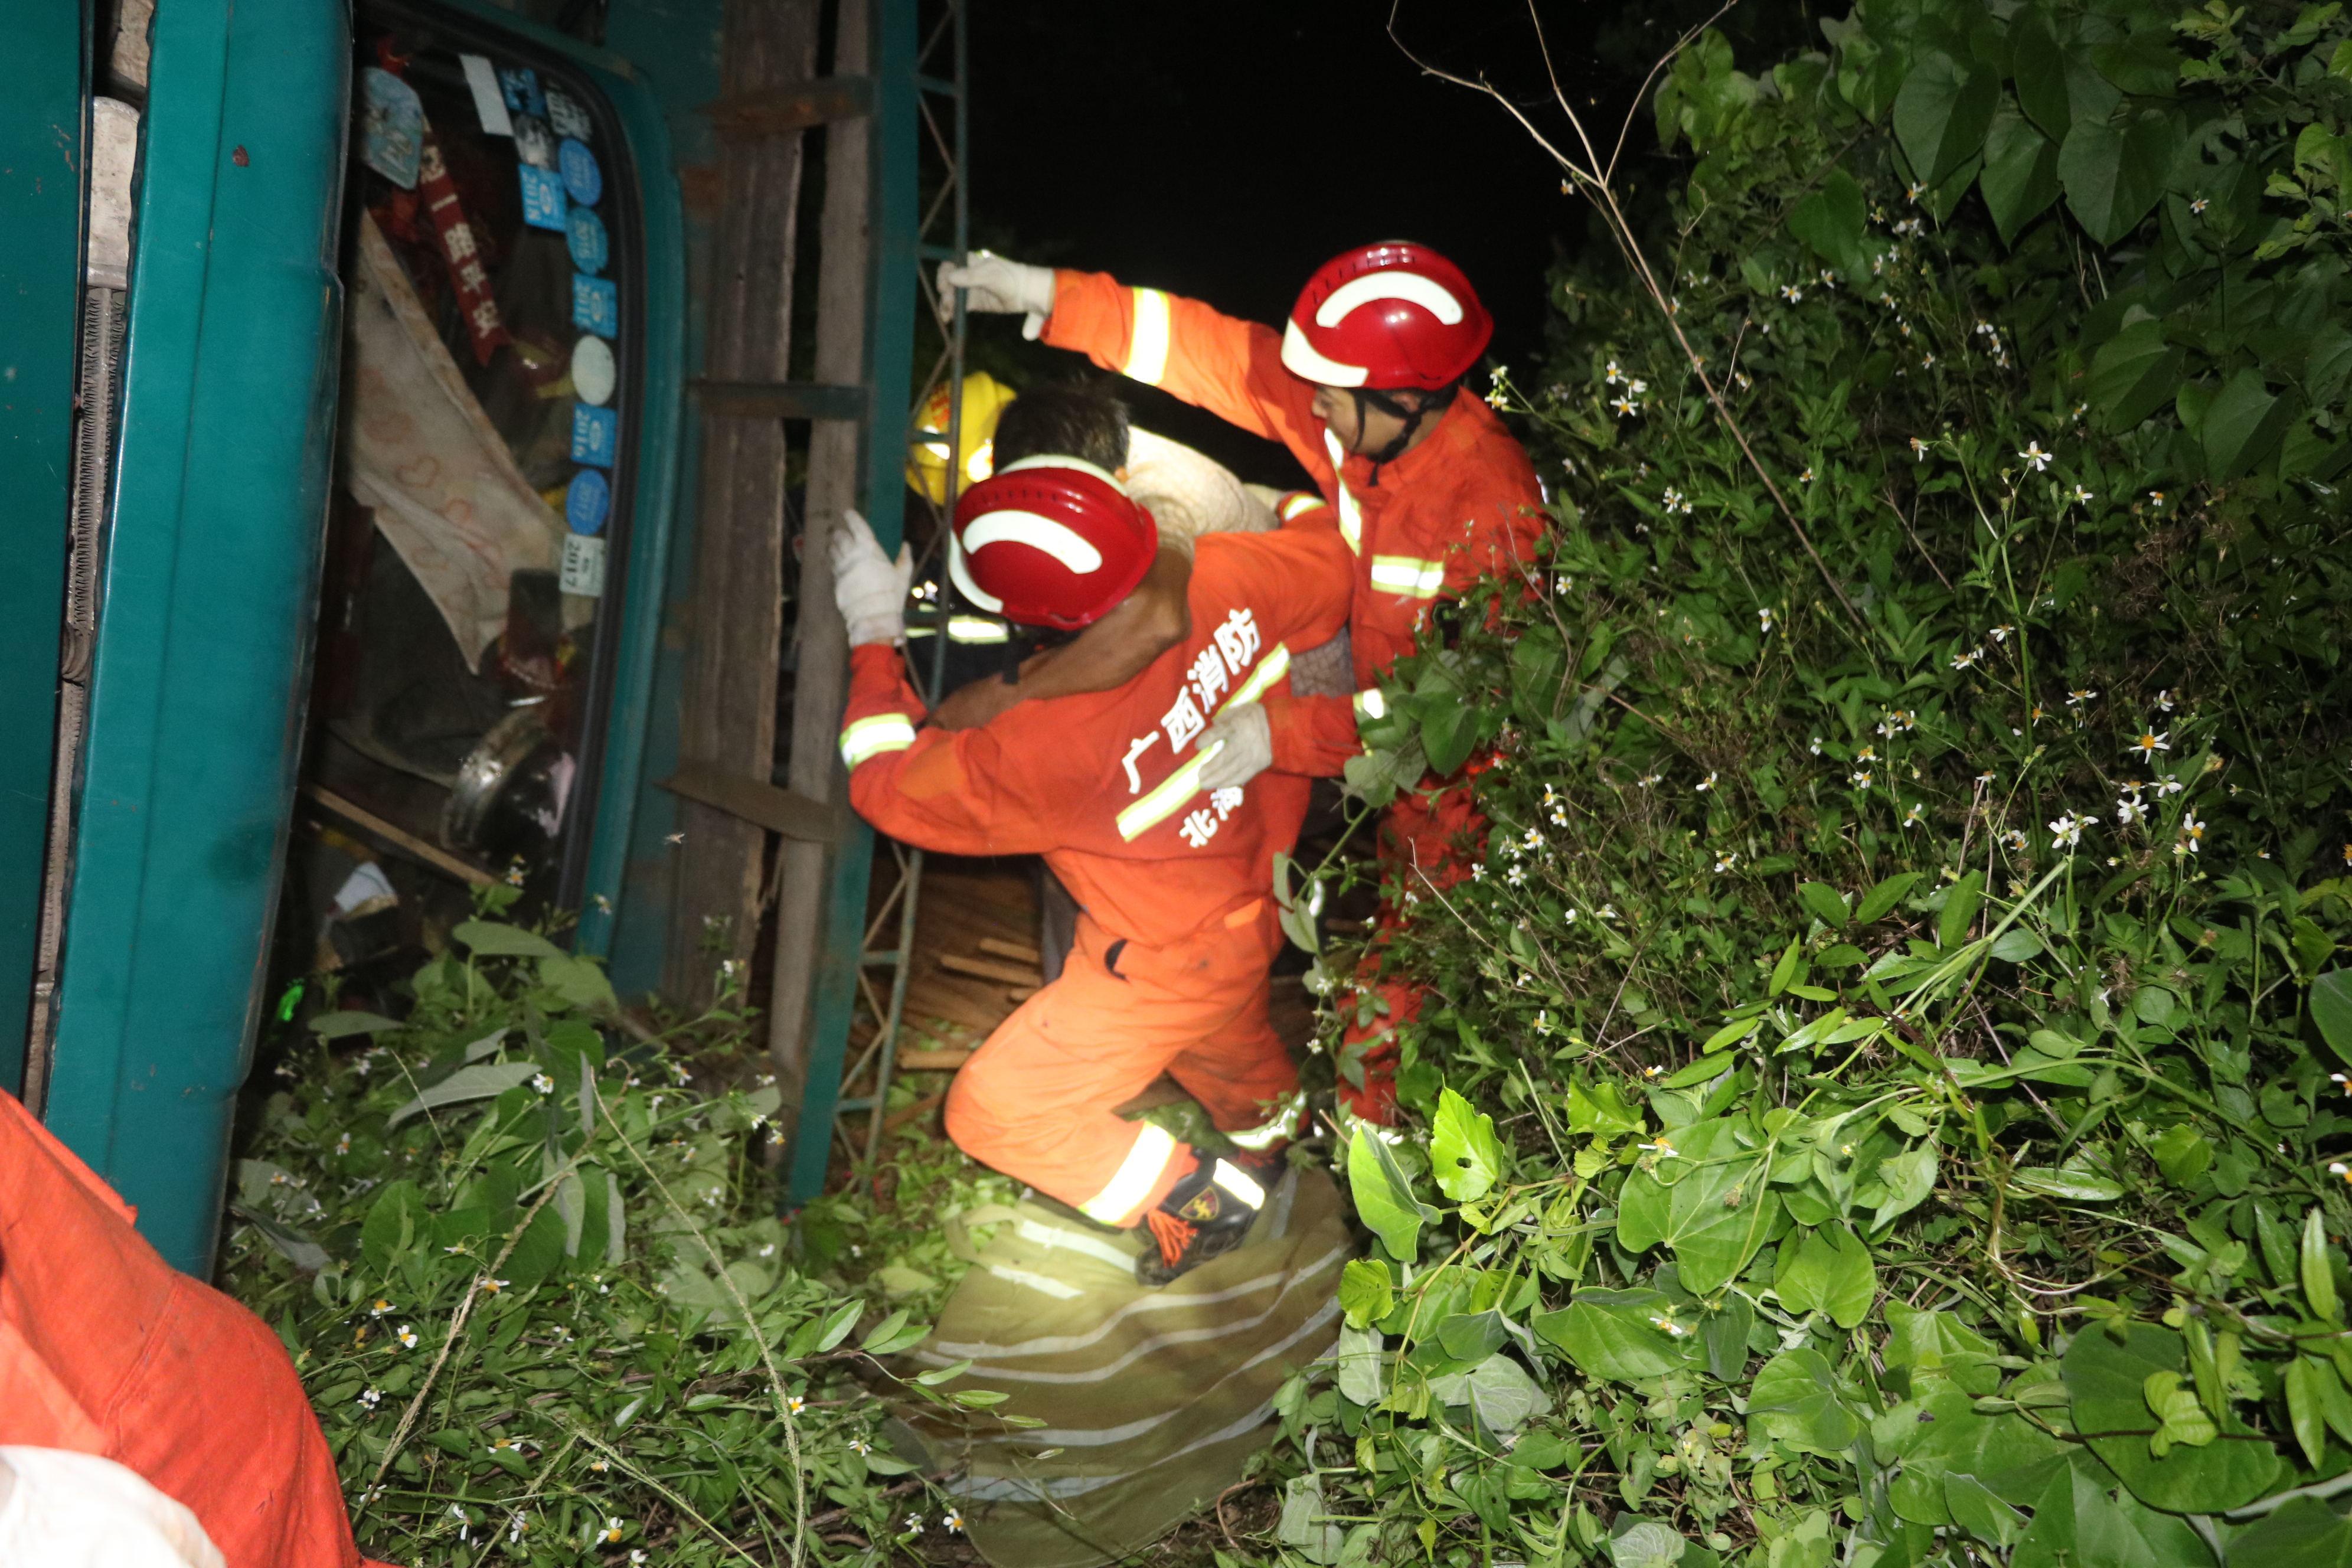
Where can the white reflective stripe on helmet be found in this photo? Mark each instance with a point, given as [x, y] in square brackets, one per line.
[1408, 576]
[1147, 346]
[1274, 1129]
[1239, 1182]
[1371, 704]
[1058, 460]
[1166, 797]
[1147, 1158]
[1045, 534]
[1297, 506]
[1351, 524]
[961, 577]
[875, 734]
[1271, 669]
[1305, 362]
[1411, 287]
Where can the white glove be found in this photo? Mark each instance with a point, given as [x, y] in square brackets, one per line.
[997, 287]
[870, 587]
[1248, 751]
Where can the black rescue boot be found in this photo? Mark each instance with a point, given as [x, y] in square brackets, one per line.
[1205, 1216]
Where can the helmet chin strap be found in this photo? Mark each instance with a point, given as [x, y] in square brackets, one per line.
[1413, 416]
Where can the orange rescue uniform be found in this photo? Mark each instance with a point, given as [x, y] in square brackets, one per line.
[1462, 505]
[1177, 927]
[106, 1349]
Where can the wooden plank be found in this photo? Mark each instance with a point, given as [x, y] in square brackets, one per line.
[915, 1112]
[931, 1061]
[399, 838]
[819, 103]
[805, 872]
[778, 400]
[769, 807]
[1018, 950]
[987, 971]
[733, 619]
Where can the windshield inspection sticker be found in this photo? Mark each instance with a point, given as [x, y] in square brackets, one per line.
[595, 306]
[519, 85]
[591, 248]
[392, 127]
[482, 80]
[592, 373]
[595, 436]
[542, 198]
[581, 177]
[567, 113]
[583, 566]
[587, 502]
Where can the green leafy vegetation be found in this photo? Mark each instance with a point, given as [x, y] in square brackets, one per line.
[534, 1278]
[1883, 1097]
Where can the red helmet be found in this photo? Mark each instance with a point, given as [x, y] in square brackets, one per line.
[1050, 541]
[1386, 316]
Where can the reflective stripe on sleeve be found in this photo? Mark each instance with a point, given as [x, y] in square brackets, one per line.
[1371, 704]
[1271, 669]
[1166, 797]
[875, 734]
[1282, 1124]
[1147, 1157]
[1351, 523]
[1297, 506]
[1147, 347]
[1408, 576]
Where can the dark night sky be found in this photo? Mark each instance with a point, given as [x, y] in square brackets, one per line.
[1224, 148]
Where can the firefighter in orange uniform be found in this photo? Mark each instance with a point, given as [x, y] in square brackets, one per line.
[1425, 486]
[1177, 927]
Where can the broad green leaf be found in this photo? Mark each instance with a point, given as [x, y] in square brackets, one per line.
[1731, 1034]
[2331, 1010]
[1499, 1389]
[1365, 1292]
[2317, 1262]
[1383, 1195]
[1885, 897]
[1471, 1337]
[2108, 1379]
[337, 1026]
[1785, 970]
[395, 1219]
[2074, 1183]
[1600, 1111]
[580, 981]
[1797, 1399]
[1362, 1366]
[1929, 1346]
[1961, 905]
[1306, 1521]
[1713, 1210]
[2077, 1524]
[1622, 1335]
[2182, 1154]
[1909, 1177]
[1823, 902]
[1465, 1155]
[2021, 172]
[1647, 1543]
[2304, 1413]
[1828, 1270]
[488, 939]
[2134, 373]
[2041, 67]
[1831, 220]
[885, 1330]
[2305, 1533]
[295, 1246]
[2243, 424]
[484, 1080]
[837, 1327]
[2181, 1416]
[1942, 113]
[1975, 1507]
[2015, 945]
[2113, 175]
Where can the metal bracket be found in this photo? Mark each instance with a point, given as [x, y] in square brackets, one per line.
[779, 810]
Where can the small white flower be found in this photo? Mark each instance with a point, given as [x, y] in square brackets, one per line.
[1516, 876]
[860, 1446]
[794, 1403]
[1615, 375]
[371, 1397]
[2035, 457]
[1645, 781]
[1919, 447]
[1984, 778]
[1531, 840]
[2198, 205]
[2150, 742]
[2079, 696]
[1963, 660]
[492, 1287]
[914, 1524]
[2164, 700]
[1815, 745]
[1806, 477]
[2192, 834]
[2016, 840]
[541, 1082]
[2000, 633]
[952, 1522]
[2167, 785]
[407, 1336]
[2080, 496]
[2067, 829]
[1705, 784]
[2128, 810]
[1625, 406]
[379, 1307]
[1860, 780]
[1917, 813]
[1727, 861]
[343, 1144]
[614, 1528]
[1764, 619]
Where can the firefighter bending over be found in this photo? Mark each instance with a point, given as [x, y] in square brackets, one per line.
[1178, 926]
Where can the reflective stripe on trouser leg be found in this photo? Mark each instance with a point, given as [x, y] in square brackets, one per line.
[1279, 1126]
[1137, 1175]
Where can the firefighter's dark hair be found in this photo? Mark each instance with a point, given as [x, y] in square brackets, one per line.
[1064, 419]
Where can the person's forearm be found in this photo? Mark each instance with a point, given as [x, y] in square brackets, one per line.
[1115, 649]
